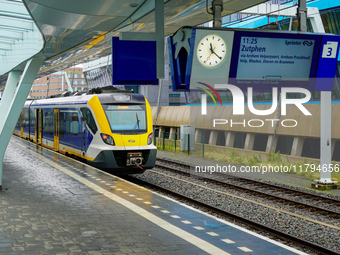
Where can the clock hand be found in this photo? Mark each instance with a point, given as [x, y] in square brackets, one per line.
[217, 55]
[212, 51]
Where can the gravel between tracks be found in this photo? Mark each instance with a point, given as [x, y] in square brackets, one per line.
[314, 201]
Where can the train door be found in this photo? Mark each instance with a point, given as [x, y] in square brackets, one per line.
[56, 129]
[38, 126]
[22, 123]
[83, 134]
[85, 130]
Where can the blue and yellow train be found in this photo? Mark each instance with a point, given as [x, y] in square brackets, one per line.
[110, 131]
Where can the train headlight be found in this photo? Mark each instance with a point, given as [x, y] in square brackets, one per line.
[107, 139]
[150, 138]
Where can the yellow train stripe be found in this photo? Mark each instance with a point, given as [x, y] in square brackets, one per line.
[100, 115]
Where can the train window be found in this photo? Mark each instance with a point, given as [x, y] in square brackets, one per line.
[50, 123]
[75, 124]
[61, 125]
[46, 123]
[25, 119]
[89, 120]
[126, 117]
[67, 123]
[32, 117]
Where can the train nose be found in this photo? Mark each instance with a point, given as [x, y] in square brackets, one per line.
[134, 159]
[132, 141]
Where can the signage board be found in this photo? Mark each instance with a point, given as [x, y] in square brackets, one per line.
[265, 60]
[134, 62]
[257, 59]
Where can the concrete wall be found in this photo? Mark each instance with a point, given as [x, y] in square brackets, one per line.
[239, 152]
[308, 126]
[307, 129]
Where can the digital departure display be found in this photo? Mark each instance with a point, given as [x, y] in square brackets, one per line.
[273, 60]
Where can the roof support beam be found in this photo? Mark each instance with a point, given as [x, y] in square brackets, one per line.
[11, 8]
[13, 101]
[158, 36]
[13, 23]
[11, 35]
[277, 10]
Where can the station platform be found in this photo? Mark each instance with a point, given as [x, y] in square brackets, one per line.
[52, 204]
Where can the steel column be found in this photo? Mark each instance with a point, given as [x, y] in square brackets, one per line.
[325, 137]
[15, 102]
[325, 120]
[217, 6]
[159, 31]
[302, 14]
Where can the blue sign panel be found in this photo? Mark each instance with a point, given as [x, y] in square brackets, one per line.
[327, 63]
[180, 64]
[134, 62]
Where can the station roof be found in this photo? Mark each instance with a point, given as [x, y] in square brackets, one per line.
[20, 38]
[80, 30]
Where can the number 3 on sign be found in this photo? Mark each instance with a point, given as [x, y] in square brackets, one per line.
[329, 50]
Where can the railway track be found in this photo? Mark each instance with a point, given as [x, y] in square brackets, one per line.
[289, 196]
[252, 187]
[223, 213]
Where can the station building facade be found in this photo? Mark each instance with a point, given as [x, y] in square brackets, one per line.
[59, 82]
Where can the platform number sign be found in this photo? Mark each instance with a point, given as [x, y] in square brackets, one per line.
[330, 50]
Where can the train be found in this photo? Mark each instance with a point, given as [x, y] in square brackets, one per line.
[110, 131]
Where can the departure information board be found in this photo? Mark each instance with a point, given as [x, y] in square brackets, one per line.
[254, 58]
[273, 59]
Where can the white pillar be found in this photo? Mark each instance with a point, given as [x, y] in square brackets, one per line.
[249, 142]
[272, 143]
[160, 133]
[172, 133]
[326, 136]
[198, 135]
[230, 139]
[297, 146]
[213, 137]
[13, 102]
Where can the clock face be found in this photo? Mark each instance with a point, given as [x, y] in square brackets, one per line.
[211, 50]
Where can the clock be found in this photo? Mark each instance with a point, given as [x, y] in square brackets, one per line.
[211, 51]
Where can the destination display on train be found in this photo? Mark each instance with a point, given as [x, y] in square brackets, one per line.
[273, 61]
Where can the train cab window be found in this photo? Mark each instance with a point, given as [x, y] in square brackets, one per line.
[75, 124]
[126, 118]
[87, 115]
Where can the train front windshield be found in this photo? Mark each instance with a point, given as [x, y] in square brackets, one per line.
[126, 118]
